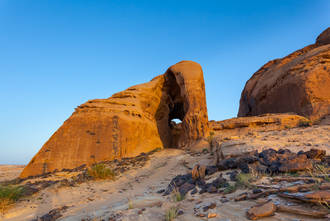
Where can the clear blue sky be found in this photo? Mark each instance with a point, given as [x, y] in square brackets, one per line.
[55, 55]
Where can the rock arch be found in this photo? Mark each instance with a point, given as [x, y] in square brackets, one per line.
[130, 122]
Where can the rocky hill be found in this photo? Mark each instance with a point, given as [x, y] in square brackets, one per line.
[298, 83]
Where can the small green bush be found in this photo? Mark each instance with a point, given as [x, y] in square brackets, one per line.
[101, 171]
[243, 180]
[9, 195]
[171, 214]
[230, 189]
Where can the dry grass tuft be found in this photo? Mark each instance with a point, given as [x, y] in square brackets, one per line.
[101, 171]
[177, 196]
[8, 196]
[171, 214]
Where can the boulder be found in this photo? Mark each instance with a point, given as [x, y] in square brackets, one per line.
[298, 83]
[315, 154]
[284, 161]
[261, 210]
[198, 172]
[185, 188]
[130, 122]
[272, 161]
[319, 196]
[235, 149]
[294, 163]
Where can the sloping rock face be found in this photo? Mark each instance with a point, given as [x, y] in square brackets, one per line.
[130, 122]
[299, 83]
[323, 38]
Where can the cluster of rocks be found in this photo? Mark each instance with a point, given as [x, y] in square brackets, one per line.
[268, 161]
[52, 215]
[187, 182]
[280, 167]
[301, 200]
[271, 161]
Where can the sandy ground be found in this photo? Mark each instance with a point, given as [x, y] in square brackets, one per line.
[295, 139]
[137, 189]
[8, 172]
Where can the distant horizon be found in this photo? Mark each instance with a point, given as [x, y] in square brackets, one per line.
[57, 55]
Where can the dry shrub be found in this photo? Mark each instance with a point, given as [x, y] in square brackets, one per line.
[101, 171]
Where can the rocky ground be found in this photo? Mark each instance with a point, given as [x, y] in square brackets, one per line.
[141, 189]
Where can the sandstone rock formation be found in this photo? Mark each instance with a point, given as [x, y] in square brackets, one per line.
[136, 120]
[299, 83]
[323, 38]
[267, 122]
[274, 121]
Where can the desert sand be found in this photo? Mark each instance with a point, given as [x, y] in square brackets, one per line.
[133, 195]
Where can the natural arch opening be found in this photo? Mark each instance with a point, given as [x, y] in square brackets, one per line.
[176, 121]
[171, 112]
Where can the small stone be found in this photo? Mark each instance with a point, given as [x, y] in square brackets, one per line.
[321, 196]
[185, 188]
[241, 197]
[255, 191]
[261, 201]
[211, 215]
[161, 191]
[194, 191]
[244, 167]
[224, 200]
[315, 154]
[211, 170]
[233, 175]
[205, 208]
[212, 189]
[198, 172]
[212, 205]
